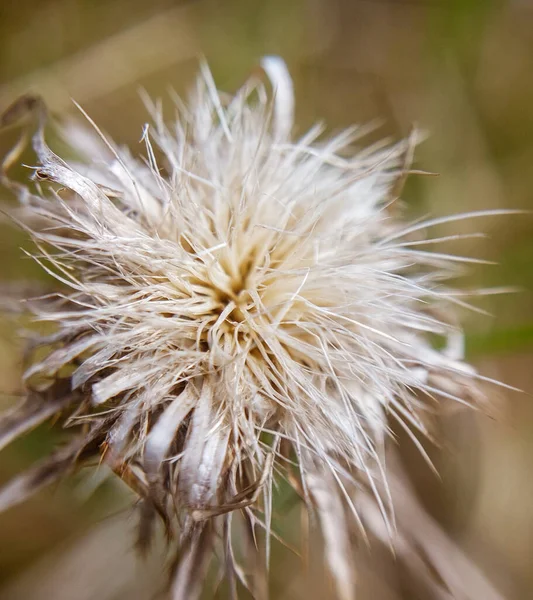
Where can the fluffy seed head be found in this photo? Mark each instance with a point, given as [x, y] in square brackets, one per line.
[233, 304]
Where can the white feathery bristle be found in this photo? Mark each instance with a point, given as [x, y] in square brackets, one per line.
[238, 296]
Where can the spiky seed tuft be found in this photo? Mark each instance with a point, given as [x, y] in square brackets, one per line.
[233, 304]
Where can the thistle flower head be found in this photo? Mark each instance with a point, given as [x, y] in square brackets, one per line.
[236, 305]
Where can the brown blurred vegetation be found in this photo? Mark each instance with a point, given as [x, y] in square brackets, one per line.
[462, 70]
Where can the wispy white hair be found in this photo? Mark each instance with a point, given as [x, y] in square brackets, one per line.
[238, 306]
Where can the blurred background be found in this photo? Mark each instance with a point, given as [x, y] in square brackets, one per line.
[462, 70]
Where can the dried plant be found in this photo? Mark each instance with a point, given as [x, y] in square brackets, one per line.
[238, 307]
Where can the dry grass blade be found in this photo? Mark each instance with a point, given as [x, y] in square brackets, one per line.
[120, 60]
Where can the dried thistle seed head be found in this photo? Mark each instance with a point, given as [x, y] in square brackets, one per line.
[233, 304]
